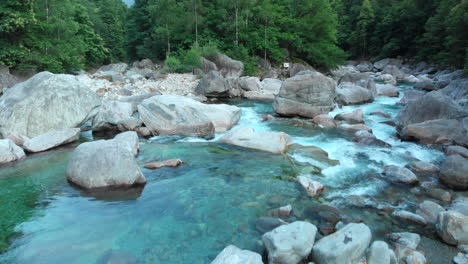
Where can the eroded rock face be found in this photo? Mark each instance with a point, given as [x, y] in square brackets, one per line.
[346, 245]
[454, 172]
[274, 142]
[306, 95]
[10, 152]
[234, 255]
[452, 227]
[104, 163]
[44, 103]
[289, 244]
[52, 139]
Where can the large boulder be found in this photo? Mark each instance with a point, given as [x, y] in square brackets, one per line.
[7, 80]
[228, 67]
[325, 121]
[453, 150]
[313, 188]
[46, 102]
[347, 245]
[179, 115]
[114, 67]
[259, 96]
[411, 95]
[458, 91]
[105, 163]
[431, 106]
[454, 172]
[433, 131]
[387, 79]
[460, 205]
[354, 117]
[306, 95]
[110, 114]
[364, 137]
[381, 64]
[452, 227]
[399, 175]
[296, 68]
[272, 85]
[394, 71]
[234, 255]
[349, 94]
[429, 211]
[250, 84]
[380, 253]
[274, 142]
[387, 90]
[207, 66]
[343, 70]
[9, 151]
[213, 85]
[52, 139]
[364, 66]
[290, 244]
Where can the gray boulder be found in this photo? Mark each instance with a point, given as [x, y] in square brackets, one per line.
[431, 106]
[457, 150]
[364, 137]
[387, 79]
[228, 67]
[409, 217]
[458, 91]
[234, 255]
[274, 142]
[115, 67]
[415, 257]
[353, 128]
[306, 95]
[266, 224]
[129, 124]
[349, 94]
[130, 140]
[452, 227]
[364, 66]
[325, 121]
[387, 90]
[422, 167]
[17, 139]
[104, 163]
[52, 139]
[10, 152]
[429, 211]
[213, 85]
[436, 131]
[381, 64]
[379, 253]
[296, 68]
[354, 117]
[313, 188]
[290, 244]
[394, 71]
[343, 70]
[347, 245]
[460, 205]
[427, 85]
[7, 80]
[454, 172]
[399, 175]
[250, 84]
[110, 114]
[272, 85]
[207, 66]
[259, 96]
[381, 113]
[410, 95]
[46, 102]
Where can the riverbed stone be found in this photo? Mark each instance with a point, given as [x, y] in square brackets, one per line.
[409, 217]
[388, 90]
[379, 253]
[432, 131]
[46, 102]
[454, 172]
[10, 152]
[353, 128]
[266, 224]
[104, 163]
[452, 227]
[290, 244]
[52, 139]
[351, 94]
[281, 212]
[460, 258]
[346, 245]
[400, 175]
[394, 71]
[387, 79]
[115, 67]
[460, 205]
[247, 137]
[167, 163]
[306, 95]
[457, 150]
[381, 113]
[381, 64]
[213, 85]
[429, 211]
[415, 257]
[17, 138]
[313, 188]
[313, 155]
[354, 117]
[110, 113]
[422, 167]
[325, 121]
[228, 67]
[436, 192]
[234, 255]
[363, 137]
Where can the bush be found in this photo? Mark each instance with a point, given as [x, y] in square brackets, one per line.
[172, 63]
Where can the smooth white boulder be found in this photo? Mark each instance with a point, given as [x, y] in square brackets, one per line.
[52, 139]
[9, 151]
[234, 255]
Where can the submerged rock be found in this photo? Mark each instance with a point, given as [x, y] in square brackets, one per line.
[381, 113]
[452, 227]
[363, 137]
[454, 172]
[354, 128]
[346, 245]
[400, 175]
[266, 224]
[290, 244]
[282, 212]
[313, 188]
[313, 155]
[52, 139]
[354, 117]
[234, 255]
[167, 163]
[44, 103]
[274, 142]
[104, 163]
[306, 95]
[10, 152]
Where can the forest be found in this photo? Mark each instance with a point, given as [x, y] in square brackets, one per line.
[70, 35]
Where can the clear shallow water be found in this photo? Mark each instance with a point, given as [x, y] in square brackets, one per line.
[189, 214]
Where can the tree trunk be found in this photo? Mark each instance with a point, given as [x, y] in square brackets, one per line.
[237, 23]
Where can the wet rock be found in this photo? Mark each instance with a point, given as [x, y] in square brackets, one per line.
[415, 257]
[387, 90]
[406, 239]
[388, 79]
[460, 205]
[274, 142]
[381, 113]
[399, 175]
[266, 224]
[355, 117]
[313, 188]
[344, 246]
[52, 139]
[306, 95]
[457, 150]
[434, 191]
[259, 96]
[389, 122]
[379, 253]
[228, 67]
[410, 95]
[250, 84]
[432, 131]
[131, 140]
[104, 163]
[454, 172]
[354, 128]
[313, 155]
[429, 211]
[422, 167]
[167, 163]
[110, 113]
[282, 212]
[427, 85]
[213, 85]
[350, 94]
[10, 152]
[117, 257]
[69, 102]
[409, 217]
[452, 227]
[363, 137]
[460, 258]
[325, 121]
[431, 106]
[17, 139]
[234, 255]
[290, 244]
